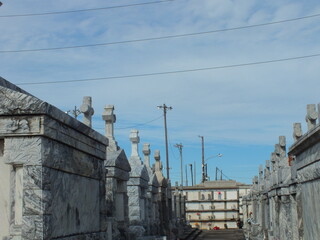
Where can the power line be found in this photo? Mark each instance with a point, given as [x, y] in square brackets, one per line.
[174, 156]
[173, 72]
[226, 176]
[83, 10]
[139, 124]
[223, 173]
[157, 38]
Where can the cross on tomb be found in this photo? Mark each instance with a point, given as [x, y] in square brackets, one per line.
[146, 151]
[312, 116]
[297, 131]
[87, 110]
[134, 138]
[158, 164]
[110, 118]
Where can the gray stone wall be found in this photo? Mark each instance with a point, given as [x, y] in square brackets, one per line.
[118, 170]
[283, 203]
[62, 180]
[56, 186]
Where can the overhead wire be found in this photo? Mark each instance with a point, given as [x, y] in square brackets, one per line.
[141, 124]
[172, 72]
[175, 157]
[83, 10]
[157, 38]
[226, 176]
[136, 125]
[223, 173]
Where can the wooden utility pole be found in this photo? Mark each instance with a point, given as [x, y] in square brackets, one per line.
[191, 174]
[186, 175]
[203, 171]
[195, 173]
[165, 107]
[180, 146]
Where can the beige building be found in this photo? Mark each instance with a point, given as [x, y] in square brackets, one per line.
[215, 203]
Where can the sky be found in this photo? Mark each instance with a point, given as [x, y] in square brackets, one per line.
[218, 82]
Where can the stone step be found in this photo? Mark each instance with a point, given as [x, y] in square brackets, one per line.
[191, 234]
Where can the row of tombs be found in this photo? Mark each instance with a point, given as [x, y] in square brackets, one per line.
[284, 199]
[60, 179]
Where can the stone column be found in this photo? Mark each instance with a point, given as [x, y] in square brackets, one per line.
[152, 192]
[162, 195]
[110, 118]
[261, 179]
[118, 169]
[87, 110]
[267, 175]
[177, 202]
[294, 219]
[137, 190]
[274, 174]
[5, 171]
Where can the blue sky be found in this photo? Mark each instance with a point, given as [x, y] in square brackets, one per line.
[240, 111]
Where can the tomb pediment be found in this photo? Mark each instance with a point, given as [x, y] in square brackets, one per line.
[154, 181]
[118, 159]
[17, 102]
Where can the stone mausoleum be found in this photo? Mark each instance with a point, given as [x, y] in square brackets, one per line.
[60, 179]
[284, 200]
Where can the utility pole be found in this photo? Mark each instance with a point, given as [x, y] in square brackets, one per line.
[203, 172]
[165, 108]
[191, 174]
[206, 171]
[195, 173]
[179, 146]
[186, 175]
[218, 170]
[216, 173]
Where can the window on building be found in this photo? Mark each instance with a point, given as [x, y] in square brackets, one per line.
[209, 196]
[219, 195]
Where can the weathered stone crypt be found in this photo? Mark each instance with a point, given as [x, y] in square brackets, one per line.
[60, 179]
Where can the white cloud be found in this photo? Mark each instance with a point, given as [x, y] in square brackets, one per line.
[247, 105]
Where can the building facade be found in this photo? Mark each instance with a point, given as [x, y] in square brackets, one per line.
[214, 204]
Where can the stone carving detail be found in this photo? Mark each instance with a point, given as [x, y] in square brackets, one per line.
[20, 125]
[16, 125]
